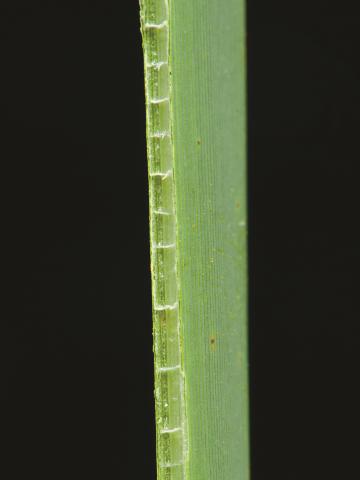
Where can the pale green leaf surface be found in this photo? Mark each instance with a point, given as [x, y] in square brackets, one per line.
[201, 408]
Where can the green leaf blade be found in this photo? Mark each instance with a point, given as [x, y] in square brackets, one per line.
[205, 57]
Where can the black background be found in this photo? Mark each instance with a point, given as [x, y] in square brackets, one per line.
[76, 338]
